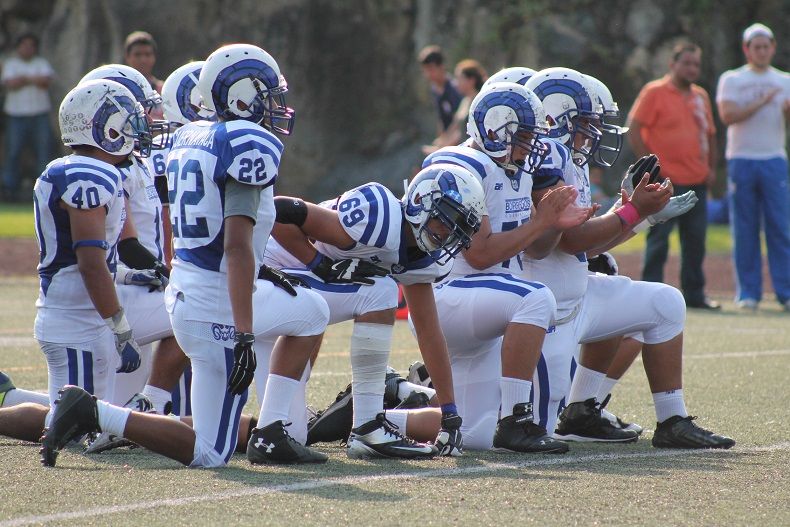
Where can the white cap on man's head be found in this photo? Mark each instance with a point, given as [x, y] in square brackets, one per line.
[757, 30]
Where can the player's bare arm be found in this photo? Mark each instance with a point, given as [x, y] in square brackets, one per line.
[241, 269]
[647, 199]
[551, 203]
[489, 248]
[88, 226]
[430, 338]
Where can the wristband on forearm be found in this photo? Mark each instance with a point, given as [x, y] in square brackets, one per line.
[315, 262]
[118, 324]
[628, 215]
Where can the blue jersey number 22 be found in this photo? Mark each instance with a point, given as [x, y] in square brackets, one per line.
[181, 226]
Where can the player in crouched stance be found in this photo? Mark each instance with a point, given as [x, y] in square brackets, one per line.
[221, 176]
[415, 239]
[494, 321]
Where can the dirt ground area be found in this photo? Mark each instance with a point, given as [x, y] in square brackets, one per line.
[18, 257]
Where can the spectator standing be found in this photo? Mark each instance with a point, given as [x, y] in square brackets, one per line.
[469, 78]
[672, 118]
[140, 53]
[443, 86]
[26, 77]
[754, 103]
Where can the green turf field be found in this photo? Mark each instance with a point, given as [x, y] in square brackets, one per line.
[16, 220]
[735, 369]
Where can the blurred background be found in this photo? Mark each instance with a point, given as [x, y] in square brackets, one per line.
[363, 107]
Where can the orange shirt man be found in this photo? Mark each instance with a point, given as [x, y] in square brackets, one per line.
[672, 118]
[677, 126]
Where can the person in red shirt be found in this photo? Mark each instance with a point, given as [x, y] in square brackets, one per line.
[672, 118]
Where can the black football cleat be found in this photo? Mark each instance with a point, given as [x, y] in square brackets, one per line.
[414, 400]
[6, 385]
[391, 383]
[583, 422]
[272, 445]
[75, 415]
[682, 432]
[334, 423]
[518, 433]
[380, 438]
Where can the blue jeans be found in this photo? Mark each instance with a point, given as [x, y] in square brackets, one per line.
[760, 193]
[692, 227]
[22, 131]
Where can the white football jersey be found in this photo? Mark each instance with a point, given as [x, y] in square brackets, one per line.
[203, 156]
[144, 204]
[157, 161]
[565, 274]
[508, 200]
[65, 311]
[373, 217]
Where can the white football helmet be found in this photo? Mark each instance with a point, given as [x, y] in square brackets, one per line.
[506, 115]
[141, 89]
[180, 97]
[612, 135]
[451, 195]
[133, 80]
[569, 100]
[103, 114]
[517, 74]
[242, 81]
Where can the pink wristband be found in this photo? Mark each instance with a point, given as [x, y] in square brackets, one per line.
[628, 214]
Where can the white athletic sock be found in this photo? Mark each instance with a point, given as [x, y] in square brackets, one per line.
[158, 397]
[399, 419]
[514, 391]
[19, 396]
[607, 384]
[297, 414]
[277, 399]
[112, 419]
[669, 404]
[370, 350]
[405, 388]
[552, 415]
[586, 383]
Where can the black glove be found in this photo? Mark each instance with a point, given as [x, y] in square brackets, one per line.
[449, 441]
[636, 171]
[603, 263]
[348, 271]
[286, 282]
[244, 363]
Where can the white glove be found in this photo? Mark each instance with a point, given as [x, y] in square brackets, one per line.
[677, 206]
[142, 277]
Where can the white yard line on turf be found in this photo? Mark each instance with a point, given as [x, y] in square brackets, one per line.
[357, 480]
